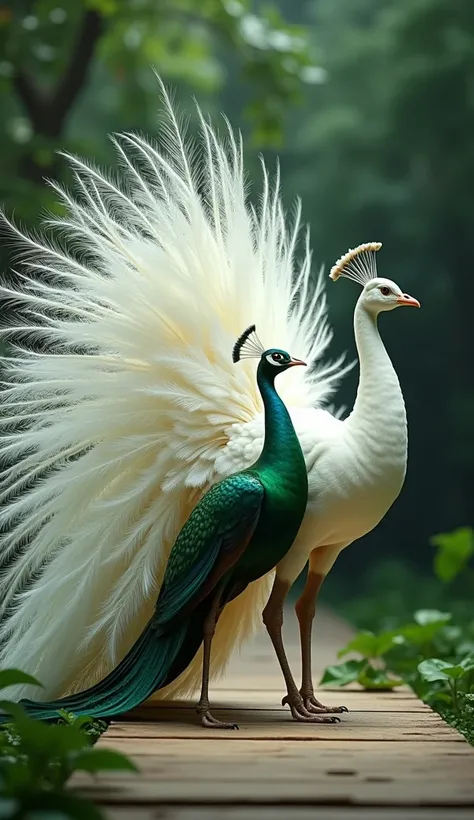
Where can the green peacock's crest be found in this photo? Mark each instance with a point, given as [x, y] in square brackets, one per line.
[247, 346]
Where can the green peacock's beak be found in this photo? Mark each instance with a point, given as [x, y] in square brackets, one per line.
[295, 362]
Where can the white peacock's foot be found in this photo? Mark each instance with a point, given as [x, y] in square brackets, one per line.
[210, 722]
[314, 706]
[302, 714]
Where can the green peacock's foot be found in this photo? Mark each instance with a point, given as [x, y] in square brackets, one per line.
[210, 722]
[300, 712]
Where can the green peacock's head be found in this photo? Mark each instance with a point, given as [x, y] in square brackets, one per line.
[248, 346]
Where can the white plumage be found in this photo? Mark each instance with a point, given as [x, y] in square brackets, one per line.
[132, 407]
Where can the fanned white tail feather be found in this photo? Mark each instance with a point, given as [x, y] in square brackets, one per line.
[123, 418]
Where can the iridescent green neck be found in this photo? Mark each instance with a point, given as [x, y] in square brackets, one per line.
[281, 443]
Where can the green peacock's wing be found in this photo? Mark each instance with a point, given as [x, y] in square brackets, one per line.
[212, 540]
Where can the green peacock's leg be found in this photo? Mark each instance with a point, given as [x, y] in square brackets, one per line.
[273, 620]
[203, 707]
[305, 609]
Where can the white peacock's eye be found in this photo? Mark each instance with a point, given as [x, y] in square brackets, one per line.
[275, 358]
[385, 291]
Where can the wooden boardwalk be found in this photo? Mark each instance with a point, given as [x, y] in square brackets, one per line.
[389, 758]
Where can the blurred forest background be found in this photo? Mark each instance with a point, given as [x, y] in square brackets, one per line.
[370, 106]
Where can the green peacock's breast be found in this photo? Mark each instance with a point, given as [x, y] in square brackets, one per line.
[280, 519]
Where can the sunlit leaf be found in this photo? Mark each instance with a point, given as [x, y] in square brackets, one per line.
[426, 617]
[434, 669]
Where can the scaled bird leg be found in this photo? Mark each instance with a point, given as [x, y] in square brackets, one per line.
[305, 608]
[273, 620]
[202, 707]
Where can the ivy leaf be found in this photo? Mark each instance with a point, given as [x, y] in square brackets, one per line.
[13, 677]
[343, 673]
[377, 679]
[454, 549]
[101, 760]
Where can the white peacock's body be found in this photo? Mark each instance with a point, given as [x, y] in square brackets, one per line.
[135, 408]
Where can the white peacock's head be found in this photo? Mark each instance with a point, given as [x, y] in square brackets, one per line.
[378, 294]
[381, 294]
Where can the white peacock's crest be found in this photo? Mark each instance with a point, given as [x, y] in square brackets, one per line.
[358, 264]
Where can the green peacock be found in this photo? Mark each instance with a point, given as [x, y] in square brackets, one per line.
[239, 531]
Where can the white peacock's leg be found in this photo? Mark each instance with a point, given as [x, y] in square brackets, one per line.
[273, 620]
[321, 561]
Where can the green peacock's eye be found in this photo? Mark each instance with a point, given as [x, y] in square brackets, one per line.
[277, 357]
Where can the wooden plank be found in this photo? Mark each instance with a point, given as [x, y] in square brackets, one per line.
[292, 772]
[281, 813]
[243, 699]
[278, 725]
[389, 751]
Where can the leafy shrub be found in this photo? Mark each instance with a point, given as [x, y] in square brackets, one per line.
[430, 653]
[37, 759]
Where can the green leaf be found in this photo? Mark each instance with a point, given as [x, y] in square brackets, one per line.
[428, 623]
[13, 677]
[47, 805]
[467, 662]
[365, 643]
[454, 549]
[42, 740]
[14, 709]
[101, 760]
[377, 679]
[426, 617]
[434, 669]
[343, 673]
[455, 672]
[369, 645]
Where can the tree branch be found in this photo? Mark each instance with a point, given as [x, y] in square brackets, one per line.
[73, 80]
[48, 111]
[32, 98]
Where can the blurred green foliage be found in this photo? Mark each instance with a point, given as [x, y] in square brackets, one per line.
[70, 72]
[432, 651]
[37, 759]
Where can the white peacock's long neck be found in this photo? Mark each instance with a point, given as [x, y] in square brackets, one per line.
[378, 419]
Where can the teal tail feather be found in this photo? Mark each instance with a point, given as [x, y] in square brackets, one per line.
[144, 669]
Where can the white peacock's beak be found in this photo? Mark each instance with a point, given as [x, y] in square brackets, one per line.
[407, 300]
[295, 362]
